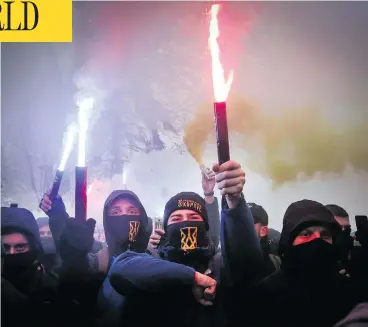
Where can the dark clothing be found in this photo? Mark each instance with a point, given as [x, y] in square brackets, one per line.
[83, 274]
[286, 300]
[31, 296]
[307, 290]
[356, 318]
[156, 285]
[42, 305]
[358, 270]
[273, 240]
[213, 214]
[240, 245]
[110, 304]
[271, 262]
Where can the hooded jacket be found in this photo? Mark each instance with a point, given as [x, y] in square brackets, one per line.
[41, 297]
[290, 296]
[102, 260]
[111, 305]
[89, 282]
[22, 220]
[143, 234]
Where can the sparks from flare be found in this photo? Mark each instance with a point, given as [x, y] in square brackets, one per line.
[221, 86]
[83, 115]
[68, 146]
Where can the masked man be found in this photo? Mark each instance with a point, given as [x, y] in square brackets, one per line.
[28, 292]
[185, 282]
[307, 290]
[126, 226]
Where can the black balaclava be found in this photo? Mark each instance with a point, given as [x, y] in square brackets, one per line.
[20, 268]
[50, 258]
[315, 260]
[186, 242]
[126, 232]
[48, 243]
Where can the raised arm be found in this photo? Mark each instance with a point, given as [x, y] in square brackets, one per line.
[240, 247]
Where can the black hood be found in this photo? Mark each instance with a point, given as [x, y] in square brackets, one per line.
[21, 220]
[150, 225]
[144, 233]
[300, 215]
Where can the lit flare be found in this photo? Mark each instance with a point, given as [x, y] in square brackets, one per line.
[83, 116]
[68, 145]
[221, 86]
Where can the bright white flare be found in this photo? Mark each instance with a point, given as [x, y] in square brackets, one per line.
[221, 86]
[84, 111]
[68, 145]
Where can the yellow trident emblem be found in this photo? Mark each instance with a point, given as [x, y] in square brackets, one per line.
[188, 238]
[133, 230]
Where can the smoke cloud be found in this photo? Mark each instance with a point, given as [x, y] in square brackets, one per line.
[285, 146]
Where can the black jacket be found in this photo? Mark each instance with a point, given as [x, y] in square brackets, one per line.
[38, 300]
[289, 297]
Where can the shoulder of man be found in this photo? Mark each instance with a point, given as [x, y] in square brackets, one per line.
[276, 261]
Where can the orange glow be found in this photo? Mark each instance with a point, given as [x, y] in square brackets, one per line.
[221, 86]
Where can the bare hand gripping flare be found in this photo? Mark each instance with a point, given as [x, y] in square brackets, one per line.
[81, 169]
[221, 88]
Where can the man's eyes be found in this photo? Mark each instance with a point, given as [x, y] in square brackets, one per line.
[21, 247]
[114, 212]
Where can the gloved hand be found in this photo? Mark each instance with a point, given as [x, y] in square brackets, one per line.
[76, 240]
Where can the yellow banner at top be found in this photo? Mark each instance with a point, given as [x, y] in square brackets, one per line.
[36, 21]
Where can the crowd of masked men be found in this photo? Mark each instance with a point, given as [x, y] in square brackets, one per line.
[213, 263]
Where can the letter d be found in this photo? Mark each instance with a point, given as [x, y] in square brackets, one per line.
[36, 16]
